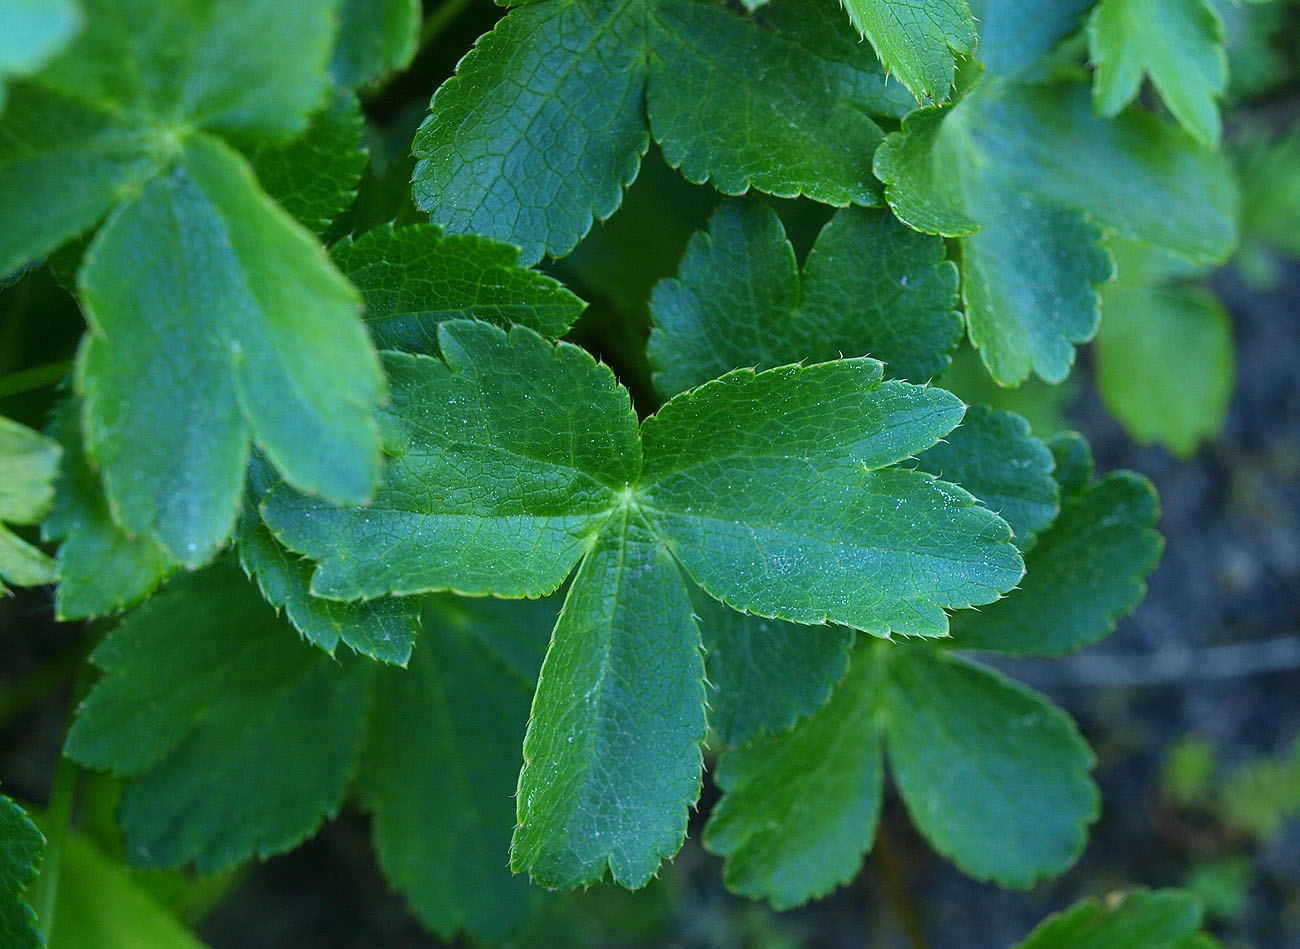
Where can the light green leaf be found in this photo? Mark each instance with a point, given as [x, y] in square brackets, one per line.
[21, 848]
[917, 42]
[315, 176]
[798, 811]
[870, 286]
[235, 293]
[376, 37]
[782, 108]
[1136, 919]
[541, 128]
[1032, 270]
[101, 905]
[413, 278]
[35, 31]
[544, 123]
[1165, 359]
[764, 675]
[994, 457]
[1015, 35]
[1178, 43]
[1269, 169]
[1085, 572]
[102, 569]
[993, 775]
[773, 492]
[440, 766]
[506, 459]
[612, 756]
[203, 686]
[28, 462]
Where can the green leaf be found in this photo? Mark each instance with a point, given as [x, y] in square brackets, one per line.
[764, 675]
[993, 775]
[28, 462]
[315, 176]
[1165, 359]
[101, 905]
[773, 492]
[917, 42]
[413, 278]
[994, 457]
[194, 719]
[1032, 270]
[202, 271]
[1085, 572]
[102, 568]
[545, 122]
[1136, 919]
[35, 31]
[1178, 43]
[782, 109]
[612, 755]
[870, 285]
[1269, 170]
[376, 37]
[440, 767]
[21, 850]
[1014, 37]
[505, 460]
[798, 811]
[541, 128]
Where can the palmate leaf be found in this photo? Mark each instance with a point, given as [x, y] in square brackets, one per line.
[1031, 260]
[870, 287]
[994, 776]
[21, 848]
[514, 459]
[917, 41]
[1178, 43]
[28, 461]
[546, 120]
[239, 326]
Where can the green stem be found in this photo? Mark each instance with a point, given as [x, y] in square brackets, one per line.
[891, 874]
[62, 796]
[38, 377]
[441, 18]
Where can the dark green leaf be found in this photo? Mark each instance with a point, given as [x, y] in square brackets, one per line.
[413, 278]
[375, 37]
[21, 850]
[612, 756]
[1015, 36]
[201, 274]
[870, 286]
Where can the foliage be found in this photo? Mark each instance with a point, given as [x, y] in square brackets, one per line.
[749, 546]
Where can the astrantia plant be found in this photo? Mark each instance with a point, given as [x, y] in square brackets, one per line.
[373, 526]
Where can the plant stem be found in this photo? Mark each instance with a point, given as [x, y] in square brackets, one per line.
[38, 377]
[891, 875]
[62, 796]
[441, 18]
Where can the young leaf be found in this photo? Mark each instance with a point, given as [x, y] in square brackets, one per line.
[917, 42]
[440, 766]
[994, 776]
[545, 122]
[413, 278]
[506, 459]
[870, 286]
[798, 811]
[21, 848]
[28, 462]
[102, 568]
[1085, 572]
[764, 675]
[376, 37]
[203, 686]
[978, 163]
[773, 492]
[1136, 919]
[315, 177]
[612, 755]
[200, 270]
[1178, 43]
[994, 457]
